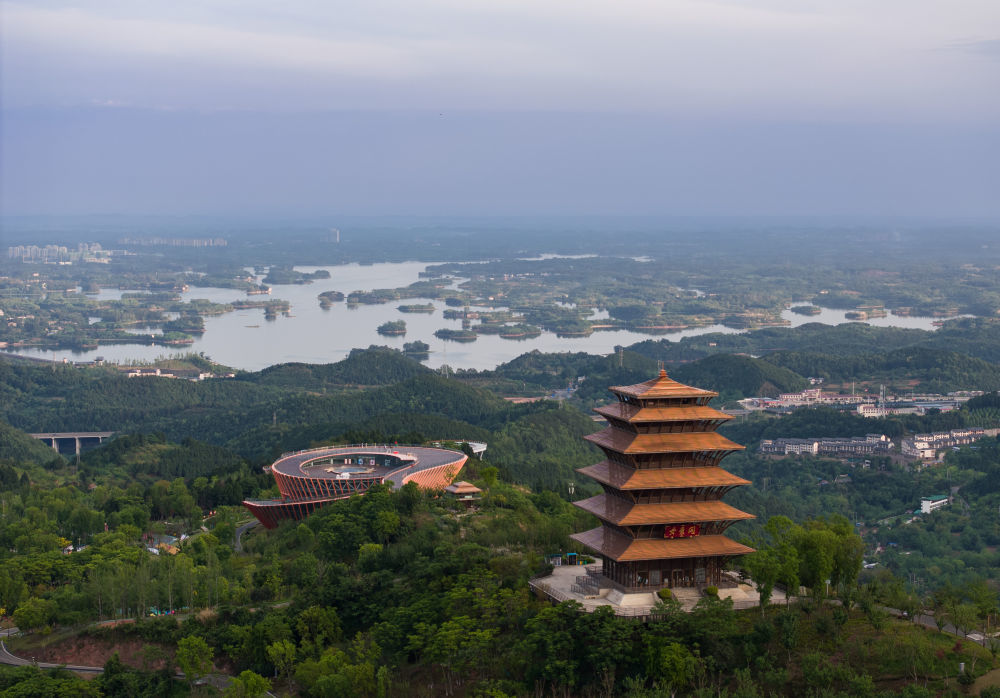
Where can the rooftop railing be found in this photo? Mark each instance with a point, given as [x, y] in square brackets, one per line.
[383, 448]
[387, 448]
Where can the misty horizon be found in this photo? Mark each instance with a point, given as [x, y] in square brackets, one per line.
[501, 109]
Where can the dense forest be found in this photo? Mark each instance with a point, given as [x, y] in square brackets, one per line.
[402, 593]
[972, 337]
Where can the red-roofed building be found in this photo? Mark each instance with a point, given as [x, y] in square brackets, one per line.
[662, 518]
[465, 492]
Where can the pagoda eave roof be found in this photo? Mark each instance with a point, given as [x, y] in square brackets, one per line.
[462, 487]
[661, 387]
[636, 414]
[622, 549]
[621, 513]
[624, 478]
[626, 442]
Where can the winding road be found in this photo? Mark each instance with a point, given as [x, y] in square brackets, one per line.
[238, 541]
[7, 658]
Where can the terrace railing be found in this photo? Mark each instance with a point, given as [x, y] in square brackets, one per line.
[388, 448]
[381, 447]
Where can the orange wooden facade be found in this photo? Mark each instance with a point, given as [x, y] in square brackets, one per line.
[309, 480]
[662, 518]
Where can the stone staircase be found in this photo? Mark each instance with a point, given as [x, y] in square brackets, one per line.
[688, 596]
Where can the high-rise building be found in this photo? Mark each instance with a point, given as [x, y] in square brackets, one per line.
[662, 514]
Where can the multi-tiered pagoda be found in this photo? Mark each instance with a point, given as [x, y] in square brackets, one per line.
[662, 514]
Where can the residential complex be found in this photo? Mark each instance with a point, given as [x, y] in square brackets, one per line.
[928, 445]
[867, 445]
[60, 254]
[866, 405]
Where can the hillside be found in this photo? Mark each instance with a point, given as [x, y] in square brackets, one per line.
[397, 594]
[362, 367]
[220, 410]
[975, 337]
[16, 445]
[402, 592]
[543, 449]
[150, 457]
[742, 376]
[839, 340]
[931, 370]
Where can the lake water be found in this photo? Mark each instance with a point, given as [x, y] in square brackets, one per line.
[244, 339]
[830, 316]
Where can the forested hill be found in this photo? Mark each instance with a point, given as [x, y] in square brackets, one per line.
[258, 422]
[282, 405]
[400, 591]
[976, 337]
[781, 360]
[150, 457]
[32, 455]
[58, 398]
[554, 371]
[744, 375]
[938, 370]
[963, 355]
[64, 398]
[363, 367]
[732, 376]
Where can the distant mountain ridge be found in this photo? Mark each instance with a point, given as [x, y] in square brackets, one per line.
[742, 374]
[975, 337]
[937, 370]
[363, 367]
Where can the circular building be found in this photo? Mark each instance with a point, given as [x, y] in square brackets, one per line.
[308, 480]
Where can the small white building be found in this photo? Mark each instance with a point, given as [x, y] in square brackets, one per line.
[918, 448]
[933, 503]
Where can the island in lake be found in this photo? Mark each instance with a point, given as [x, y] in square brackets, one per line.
[416, 308]
[392, 328]
[456, 335]
[806, 309]
[421, 351]
[328, 298]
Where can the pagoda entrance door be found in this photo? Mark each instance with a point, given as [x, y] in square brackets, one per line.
[678, 578]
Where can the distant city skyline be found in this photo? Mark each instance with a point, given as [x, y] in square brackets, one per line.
[486, 107]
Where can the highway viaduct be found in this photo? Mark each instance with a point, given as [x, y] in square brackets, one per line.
[79, 438]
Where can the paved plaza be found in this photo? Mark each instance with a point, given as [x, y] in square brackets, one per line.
[564, 584]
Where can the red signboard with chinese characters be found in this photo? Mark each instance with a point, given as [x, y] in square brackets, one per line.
[681, 531]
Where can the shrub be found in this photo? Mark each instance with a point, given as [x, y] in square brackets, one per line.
[711, 591]
[665, 594]
[34, 613]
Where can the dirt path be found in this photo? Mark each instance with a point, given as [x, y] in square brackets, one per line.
[990, 678]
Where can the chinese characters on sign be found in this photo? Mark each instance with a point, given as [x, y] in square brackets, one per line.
[681, 531]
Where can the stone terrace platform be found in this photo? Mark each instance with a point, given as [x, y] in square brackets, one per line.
[582, 584]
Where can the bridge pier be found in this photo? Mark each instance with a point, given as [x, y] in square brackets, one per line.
[53, 439]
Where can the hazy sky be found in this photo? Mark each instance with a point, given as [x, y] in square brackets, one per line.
[502, 107]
